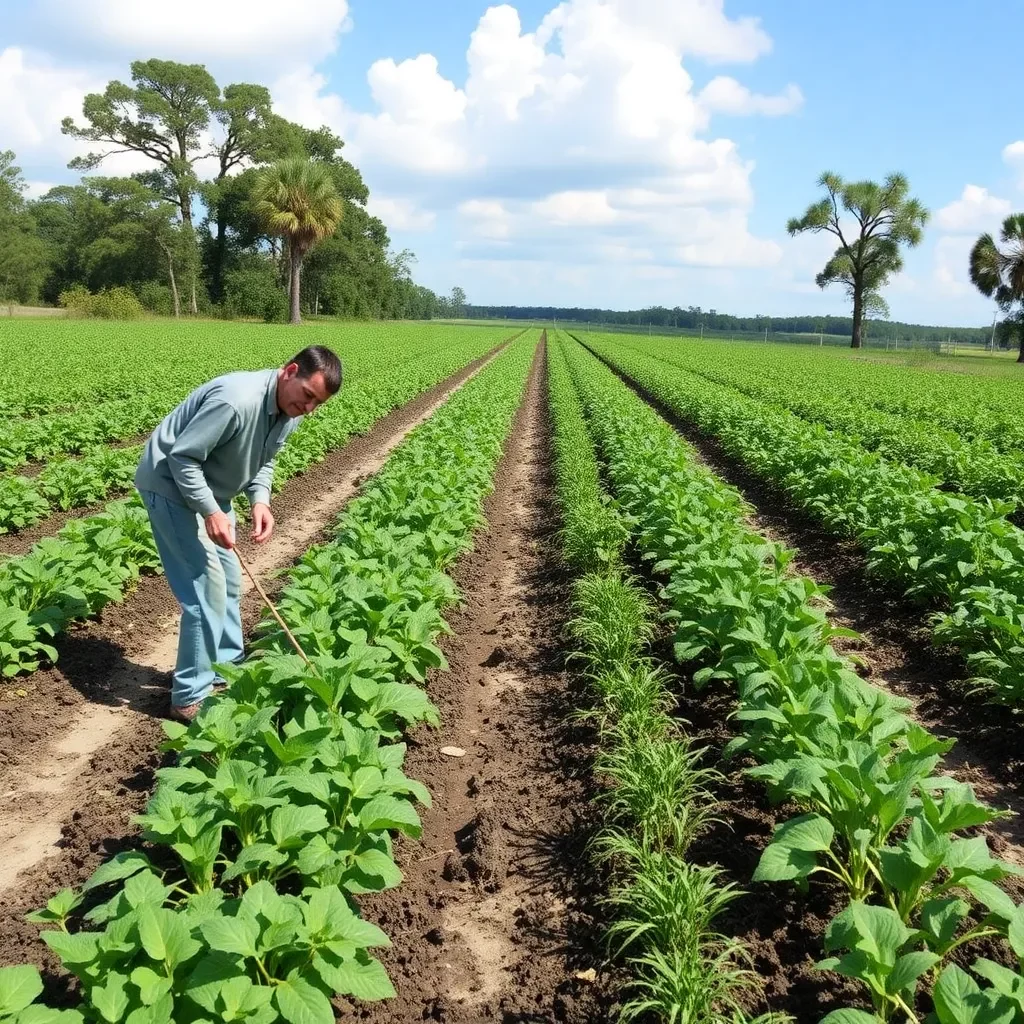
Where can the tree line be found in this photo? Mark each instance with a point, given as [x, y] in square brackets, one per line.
[695, 318]
[278, 225]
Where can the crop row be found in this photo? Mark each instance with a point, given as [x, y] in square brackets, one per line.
[66, 483]
[91, 561]
[943, 548]
[973, 466]
[287, 788]
[878, 817]
[973, 405]
[654, 796]
[23, 440]
[53, 366]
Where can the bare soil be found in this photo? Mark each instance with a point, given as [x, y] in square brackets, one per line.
[494, 921]
[77, 754]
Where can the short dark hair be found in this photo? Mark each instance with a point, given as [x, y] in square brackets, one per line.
[319, 359]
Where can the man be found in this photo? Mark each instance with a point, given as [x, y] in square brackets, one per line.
[221, 441]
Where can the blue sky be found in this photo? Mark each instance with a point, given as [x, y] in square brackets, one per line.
[597, 152]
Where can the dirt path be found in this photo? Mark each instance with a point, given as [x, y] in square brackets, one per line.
[895, 643]
[80, 750]
[491, 922]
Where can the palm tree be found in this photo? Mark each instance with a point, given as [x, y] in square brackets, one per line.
[999, 273]
[297, 199]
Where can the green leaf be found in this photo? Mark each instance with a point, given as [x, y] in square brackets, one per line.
[315, 856]
[211, 973]
[151, 986]
[990, 895]
[119, 867]
[77, 948]
[364, 977]
[959, 1000]
[19, 985]
[876, 931]
[289, 824]
[377, 864]
[232, 934]
[300, 1003]
[850, 1016]
[145, 887]
[1003, 980]
[388, 812]
[110, 998]
[255, 858]
[783, 864]
[941, 919]
[908, 969]
[1016, 932]
[150, 933]
[39, 1014]
[165, 935]
[810, 833]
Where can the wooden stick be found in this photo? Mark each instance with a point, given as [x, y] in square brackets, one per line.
[273, 611]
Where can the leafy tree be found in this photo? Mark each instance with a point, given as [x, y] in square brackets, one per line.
[244, 114]
[458, 302]
[251, 289]
[298, 201]
[999, 273]
[879, 220]
[23, 254]
[109, 232]
[162, 115]
[12, 184]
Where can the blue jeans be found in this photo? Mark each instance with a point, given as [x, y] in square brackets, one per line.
[207, 581]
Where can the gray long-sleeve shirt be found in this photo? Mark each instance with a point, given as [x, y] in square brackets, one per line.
[220, 441]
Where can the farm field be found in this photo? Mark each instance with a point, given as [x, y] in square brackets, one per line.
[650, 680]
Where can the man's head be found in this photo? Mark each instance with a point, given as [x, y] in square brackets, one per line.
[308, 380]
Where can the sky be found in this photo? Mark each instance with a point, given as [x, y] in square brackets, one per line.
[609, 153]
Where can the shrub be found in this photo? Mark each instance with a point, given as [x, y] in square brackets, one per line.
[76, 300]
[253, 291]
[156, 298]
[109, 304]
[117, 304]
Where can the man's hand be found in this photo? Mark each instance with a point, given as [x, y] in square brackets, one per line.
[262, 522]
[220, 530]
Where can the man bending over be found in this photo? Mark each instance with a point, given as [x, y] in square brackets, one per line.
[221, 441]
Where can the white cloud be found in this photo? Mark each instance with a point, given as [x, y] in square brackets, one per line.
[505, 66]
[487, 218]
[300, 95]
[37, 95]
[35, 189]
[575, 208]
[976, 210]
[582, 142]
[590, 123]
[422, 117]
[245, 31]
[724, 95]
[1013, 155]
[951, 258]
[401, 214]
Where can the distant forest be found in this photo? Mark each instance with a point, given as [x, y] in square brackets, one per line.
[693, 317]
